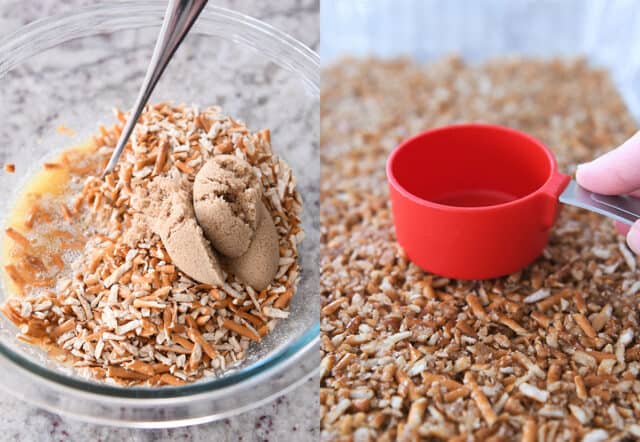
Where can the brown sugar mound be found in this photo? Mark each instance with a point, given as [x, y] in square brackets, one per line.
[226, 193]
[166, 204]
[258, 266]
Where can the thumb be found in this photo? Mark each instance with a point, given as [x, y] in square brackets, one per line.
[614, 173]
[633, 238]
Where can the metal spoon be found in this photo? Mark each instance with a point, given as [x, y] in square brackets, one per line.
[180, 16]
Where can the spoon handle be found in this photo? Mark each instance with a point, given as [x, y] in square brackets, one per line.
[625, 209]
[180, 16]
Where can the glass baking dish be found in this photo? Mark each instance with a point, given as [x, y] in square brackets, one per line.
[603, 31]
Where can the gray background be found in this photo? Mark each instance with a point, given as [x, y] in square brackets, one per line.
[292, 417]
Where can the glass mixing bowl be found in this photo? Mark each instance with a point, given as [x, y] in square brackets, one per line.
[71, 70]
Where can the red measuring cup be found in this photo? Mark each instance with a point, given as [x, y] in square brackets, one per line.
[477, 201]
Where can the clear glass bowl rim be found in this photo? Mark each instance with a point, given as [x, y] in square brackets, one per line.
[47, 33]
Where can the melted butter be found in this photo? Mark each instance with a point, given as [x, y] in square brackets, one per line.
[50, 184]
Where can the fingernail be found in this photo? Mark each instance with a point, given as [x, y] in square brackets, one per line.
[633, 238]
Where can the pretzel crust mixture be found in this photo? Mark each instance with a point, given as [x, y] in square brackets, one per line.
[96, 287]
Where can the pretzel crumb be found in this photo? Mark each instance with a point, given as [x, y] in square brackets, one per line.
[481, 400]
[64, 130]
[18, 237]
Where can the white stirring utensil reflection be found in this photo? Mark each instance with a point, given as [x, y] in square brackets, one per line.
[178, 20]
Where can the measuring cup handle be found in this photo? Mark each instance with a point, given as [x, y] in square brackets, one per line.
[551, 192]
[622, 208]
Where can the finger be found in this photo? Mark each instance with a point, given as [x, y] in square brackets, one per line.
[614, 173]
[633, 238]
[622, 228]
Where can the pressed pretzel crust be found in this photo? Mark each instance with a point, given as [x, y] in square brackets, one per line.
[549, 353]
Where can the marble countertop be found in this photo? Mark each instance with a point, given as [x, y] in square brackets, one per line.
[293, 416]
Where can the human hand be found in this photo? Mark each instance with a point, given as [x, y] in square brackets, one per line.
[615, 173]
